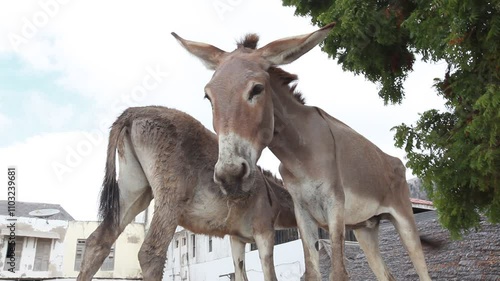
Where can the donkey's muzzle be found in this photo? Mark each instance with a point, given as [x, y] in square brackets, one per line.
[232, 175]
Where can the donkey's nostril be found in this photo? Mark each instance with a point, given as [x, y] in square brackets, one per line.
[245, 171]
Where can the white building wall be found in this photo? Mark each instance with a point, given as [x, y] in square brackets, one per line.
[211, 266]
[126, 263]
[63, 249]
[181, 258]
[29, 247]
[288, 261]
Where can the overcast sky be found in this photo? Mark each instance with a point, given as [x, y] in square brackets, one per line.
[68, 69]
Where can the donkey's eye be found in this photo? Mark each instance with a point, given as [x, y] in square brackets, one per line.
[257, 89]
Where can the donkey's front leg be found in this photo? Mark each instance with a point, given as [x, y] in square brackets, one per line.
[238, 252]
[336, 227]
[265, 245]
[309, 236]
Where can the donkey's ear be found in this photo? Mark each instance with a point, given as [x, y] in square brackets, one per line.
[208, 54]
[286, 50]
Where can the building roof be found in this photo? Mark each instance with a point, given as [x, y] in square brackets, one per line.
[475, 257]
[22, 209]
[421, 202]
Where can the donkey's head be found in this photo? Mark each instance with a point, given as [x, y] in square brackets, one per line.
[241, 96]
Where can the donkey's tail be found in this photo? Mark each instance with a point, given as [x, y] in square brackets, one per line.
[431, 243]
[109, 202]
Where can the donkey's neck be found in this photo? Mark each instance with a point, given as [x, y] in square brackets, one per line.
[292, 122]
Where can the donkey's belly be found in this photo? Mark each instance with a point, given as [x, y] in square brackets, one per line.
[319, 201]
[205, 213]
[359, 209]
[208, 213]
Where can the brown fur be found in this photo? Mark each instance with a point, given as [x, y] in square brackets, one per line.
[177, 155]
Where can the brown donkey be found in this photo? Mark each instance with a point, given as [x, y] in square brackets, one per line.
[168, 155]
[336, 176]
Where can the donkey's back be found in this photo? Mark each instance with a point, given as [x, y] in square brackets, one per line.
[168, 132]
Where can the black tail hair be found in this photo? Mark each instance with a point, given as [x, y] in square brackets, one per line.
[109, 202]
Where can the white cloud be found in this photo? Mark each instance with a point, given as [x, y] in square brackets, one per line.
[102, 50]
[46, 112]
[76, 189]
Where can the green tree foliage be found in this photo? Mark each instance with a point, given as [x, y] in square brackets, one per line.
[456, 153]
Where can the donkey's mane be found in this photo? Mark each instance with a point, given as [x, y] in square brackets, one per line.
[249, 41]
[279, 190]
[286, 79]
[269, 175]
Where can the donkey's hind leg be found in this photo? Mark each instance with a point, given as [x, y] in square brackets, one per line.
[404, 221]
[368, 241]
[153, 252]
[135, 196]
[98, 245]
